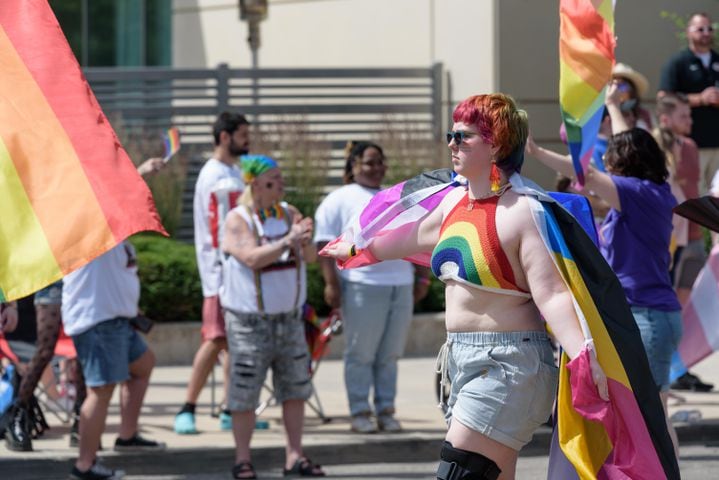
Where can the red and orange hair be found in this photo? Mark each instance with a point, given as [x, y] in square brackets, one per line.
[499, 123]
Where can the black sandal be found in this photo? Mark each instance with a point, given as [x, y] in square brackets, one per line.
[304, 467]
[243, 467]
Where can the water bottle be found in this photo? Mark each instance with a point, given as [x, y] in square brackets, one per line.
[686, 416]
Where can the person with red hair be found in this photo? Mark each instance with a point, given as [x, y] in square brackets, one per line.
[500, 281]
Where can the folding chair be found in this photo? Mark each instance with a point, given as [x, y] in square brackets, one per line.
[22, 352]
[318, 335]
[38, 424]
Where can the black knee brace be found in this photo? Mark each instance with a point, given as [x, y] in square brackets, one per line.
[457, 464]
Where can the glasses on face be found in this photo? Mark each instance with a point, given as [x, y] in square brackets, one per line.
[458, 136]
[703, 29]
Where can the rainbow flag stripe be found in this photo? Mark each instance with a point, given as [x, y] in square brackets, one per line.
[172, 142]
[468, 238]
[68, 189]
[586, 57]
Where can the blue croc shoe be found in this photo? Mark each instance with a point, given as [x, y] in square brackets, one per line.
[185, 423]
[225, 421]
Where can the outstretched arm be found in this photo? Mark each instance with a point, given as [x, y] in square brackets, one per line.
[554, 299]
[598, 182]
[422, 237]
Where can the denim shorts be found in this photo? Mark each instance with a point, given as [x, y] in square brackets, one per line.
[503, 383]
[661, 332]
[258, 341]
[50, 295]
[106, 351]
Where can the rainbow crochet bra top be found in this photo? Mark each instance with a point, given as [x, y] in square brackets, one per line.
[469, 252]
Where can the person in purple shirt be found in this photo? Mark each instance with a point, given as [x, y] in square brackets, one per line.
[635, 235]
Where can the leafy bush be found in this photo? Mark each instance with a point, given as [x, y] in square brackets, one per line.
[169, 281]
[171, 290]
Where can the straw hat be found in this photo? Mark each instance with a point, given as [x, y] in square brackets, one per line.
[640, 82]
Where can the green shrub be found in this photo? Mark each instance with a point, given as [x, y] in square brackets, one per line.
[171, 290]
[434, 301]
[169, 282]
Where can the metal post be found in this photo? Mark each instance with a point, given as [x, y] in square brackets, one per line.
[254, 40]
[437, 100]
[223, 87]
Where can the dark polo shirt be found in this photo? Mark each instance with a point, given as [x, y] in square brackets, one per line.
[685, 73]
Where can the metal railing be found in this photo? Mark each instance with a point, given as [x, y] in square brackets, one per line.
[334, 104]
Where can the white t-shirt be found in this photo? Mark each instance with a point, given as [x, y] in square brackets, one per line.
[217, 191]
[106, 288]
[337, 212]
[279, 282]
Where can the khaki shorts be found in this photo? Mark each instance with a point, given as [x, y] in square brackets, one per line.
[503, 383]
[257, 342]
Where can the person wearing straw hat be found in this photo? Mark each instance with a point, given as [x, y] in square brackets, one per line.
[265, 246]
[634, 86]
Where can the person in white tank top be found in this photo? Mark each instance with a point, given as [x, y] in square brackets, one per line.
[219, 185]
[266, 243]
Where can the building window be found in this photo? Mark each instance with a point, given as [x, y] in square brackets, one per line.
[106, 33]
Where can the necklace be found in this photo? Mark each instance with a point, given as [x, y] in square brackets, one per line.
[498, 193]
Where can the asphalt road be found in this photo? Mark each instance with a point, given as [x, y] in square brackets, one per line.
[697, 463]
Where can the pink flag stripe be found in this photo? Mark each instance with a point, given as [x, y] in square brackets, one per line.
[694, 345]
[622, 421]
[700, 317]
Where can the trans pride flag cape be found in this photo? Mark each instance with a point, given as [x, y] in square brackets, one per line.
[586, 59]
[700, 319]
[68, 190]
[623, 438]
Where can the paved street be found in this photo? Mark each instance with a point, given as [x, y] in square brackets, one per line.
[410, 454]
[697, 463]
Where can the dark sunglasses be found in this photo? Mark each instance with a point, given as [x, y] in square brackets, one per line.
[707, 29]
[459, 136]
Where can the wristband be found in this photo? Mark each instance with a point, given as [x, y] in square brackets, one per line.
[423, 280]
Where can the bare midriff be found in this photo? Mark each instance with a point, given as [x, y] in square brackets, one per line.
[472, 310]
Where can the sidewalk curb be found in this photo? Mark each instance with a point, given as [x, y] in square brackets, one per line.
[408, 447]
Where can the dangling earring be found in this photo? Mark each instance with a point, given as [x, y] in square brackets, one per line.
[494, 178]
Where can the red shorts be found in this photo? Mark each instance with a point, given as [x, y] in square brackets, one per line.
[213, 322]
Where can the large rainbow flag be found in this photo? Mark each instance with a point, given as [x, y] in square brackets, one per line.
[68, 190]
[624, 438]
[586, 59]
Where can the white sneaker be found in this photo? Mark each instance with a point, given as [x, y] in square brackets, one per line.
[387, 423]
[363, 423]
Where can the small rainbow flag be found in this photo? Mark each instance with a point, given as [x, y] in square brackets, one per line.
[586, 52]
[68, 190]
[172, 143]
